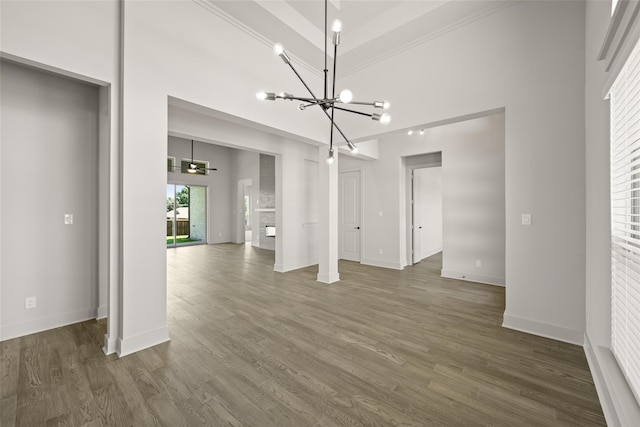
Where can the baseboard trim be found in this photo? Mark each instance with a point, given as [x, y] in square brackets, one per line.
[472, 277]
[533, 327]
[616, 398]
[110, 345]
[102, 312]
[283, 268]
[383, 264]
[328, 278]
[131, 345]
[34, 326]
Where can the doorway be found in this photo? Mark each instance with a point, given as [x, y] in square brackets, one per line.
[350, 216]
[186, 215]
[426, 215]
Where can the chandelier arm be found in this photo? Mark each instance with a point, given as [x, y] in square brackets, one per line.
[311, 101]
[302, 80]
[354, 111]
[333, 92]
[332, 125]
[335, 60]
[326, 71]
[312, 104]
[336, 126]
[372, 104]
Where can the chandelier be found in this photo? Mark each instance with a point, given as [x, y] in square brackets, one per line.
[327, 104]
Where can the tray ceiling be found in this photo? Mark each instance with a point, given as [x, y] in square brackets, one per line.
[372, 30]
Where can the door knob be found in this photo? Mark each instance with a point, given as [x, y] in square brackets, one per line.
[420, 227]
[356, 228]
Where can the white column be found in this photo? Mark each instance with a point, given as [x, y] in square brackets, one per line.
[328, 216]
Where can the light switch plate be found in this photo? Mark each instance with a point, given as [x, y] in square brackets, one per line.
[526, 219]
[68, 219]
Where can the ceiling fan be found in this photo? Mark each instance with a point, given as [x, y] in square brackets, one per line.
[193, 167]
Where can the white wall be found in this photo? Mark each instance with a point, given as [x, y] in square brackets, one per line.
[76, 37]
[81, 39]
[529, 59]
[218, 183]
[49, 158]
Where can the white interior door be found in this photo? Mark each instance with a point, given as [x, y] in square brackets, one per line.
[349, 216]
[427, 212]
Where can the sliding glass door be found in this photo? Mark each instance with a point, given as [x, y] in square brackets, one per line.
[186, 215]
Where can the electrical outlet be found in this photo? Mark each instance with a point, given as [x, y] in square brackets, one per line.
[478, 263]
[526, 219]
[68, 219]
[30, 302]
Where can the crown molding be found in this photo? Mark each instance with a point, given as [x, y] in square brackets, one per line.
[212, 8]
[430, 36]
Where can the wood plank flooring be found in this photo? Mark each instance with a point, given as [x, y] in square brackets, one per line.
[252, 347]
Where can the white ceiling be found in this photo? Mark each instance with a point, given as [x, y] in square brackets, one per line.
[372, 30]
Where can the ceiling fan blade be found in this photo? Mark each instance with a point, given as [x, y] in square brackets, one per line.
[193, 163]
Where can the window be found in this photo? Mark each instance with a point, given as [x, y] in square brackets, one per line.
[171, 164]
[625, 220]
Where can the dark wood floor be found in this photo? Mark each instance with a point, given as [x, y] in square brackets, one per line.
[251, 347]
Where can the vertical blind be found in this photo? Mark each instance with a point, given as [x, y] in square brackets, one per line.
[625, 220]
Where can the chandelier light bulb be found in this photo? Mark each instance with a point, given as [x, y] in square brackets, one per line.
[386, 105]
[421, 131]
[346, 96]
[410, 133]
[269, 96]
[336, 27]
[382, 118]
[352, 147]
[278, 49]
[330, 158]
